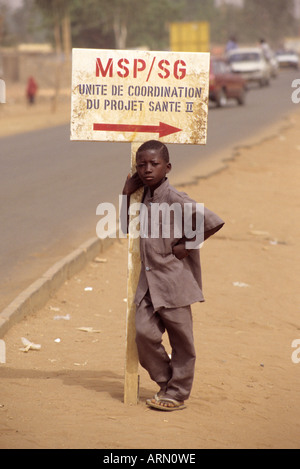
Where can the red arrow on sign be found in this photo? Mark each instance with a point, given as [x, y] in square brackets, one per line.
[162, 129]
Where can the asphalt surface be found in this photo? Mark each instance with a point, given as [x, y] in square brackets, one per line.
[50, 187]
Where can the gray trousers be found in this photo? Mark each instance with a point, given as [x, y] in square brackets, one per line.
[174, 375]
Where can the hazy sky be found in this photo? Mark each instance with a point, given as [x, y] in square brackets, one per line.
[18, 3]
[11, 3]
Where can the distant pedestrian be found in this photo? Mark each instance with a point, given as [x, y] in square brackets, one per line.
[266, 49]
[231, 44]
[31, 90]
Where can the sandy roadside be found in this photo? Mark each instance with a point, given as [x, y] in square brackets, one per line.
[16, 116]
[246, 390]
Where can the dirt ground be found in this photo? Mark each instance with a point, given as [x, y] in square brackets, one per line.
[246, 392]
[16, 116]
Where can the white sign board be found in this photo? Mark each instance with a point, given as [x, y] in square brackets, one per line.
[127, 96]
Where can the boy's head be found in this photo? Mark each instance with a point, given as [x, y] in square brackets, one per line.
[155, 145]
[152, 163]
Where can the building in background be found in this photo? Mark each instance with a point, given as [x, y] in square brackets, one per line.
[240, 4]
[297, 9]
[237, 3]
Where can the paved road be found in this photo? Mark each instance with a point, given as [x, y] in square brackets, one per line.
[50, 187]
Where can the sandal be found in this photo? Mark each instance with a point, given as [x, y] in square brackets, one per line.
[165, 403]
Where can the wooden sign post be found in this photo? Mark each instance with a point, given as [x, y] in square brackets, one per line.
[131, 385]
[135, 96]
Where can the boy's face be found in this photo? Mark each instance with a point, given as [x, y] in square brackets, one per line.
[152, 168]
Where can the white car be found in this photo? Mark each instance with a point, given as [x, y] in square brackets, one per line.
[251, 64]
[287, 59]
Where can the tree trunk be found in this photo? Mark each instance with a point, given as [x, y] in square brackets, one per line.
[67, 39]
[58, 50]
[120, 30]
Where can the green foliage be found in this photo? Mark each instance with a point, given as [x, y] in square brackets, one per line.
[152, 29]
[135, 23]
[146, 22]
[268, 19]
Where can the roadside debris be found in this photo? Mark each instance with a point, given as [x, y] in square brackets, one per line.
[259, 233]
[266, 235]
[88, 329]
[240, 284]
[100, 260]
[67, 317]
[29, 345]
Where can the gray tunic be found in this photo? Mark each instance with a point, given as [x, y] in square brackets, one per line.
[172, 283]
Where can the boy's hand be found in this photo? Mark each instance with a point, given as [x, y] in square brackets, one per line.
[132, 184]
[179, 251]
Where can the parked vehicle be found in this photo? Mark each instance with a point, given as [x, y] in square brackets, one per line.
[225, 85]
[287, 58]
[251, 64]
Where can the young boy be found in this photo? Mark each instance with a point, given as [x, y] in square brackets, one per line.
[170, 278]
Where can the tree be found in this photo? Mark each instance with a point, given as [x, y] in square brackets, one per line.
[270, 19]
[152, 26]
[123, 23]
[59, 13]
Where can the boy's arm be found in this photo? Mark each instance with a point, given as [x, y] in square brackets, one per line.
[180, 251]
[212, 224]
[132, 184]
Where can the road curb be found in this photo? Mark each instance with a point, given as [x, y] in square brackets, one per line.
[38, 293]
